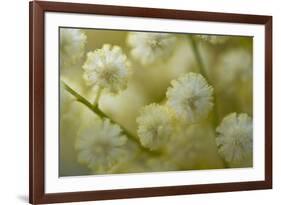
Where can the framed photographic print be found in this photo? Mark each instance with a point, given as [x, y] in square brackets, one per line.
[139, 102]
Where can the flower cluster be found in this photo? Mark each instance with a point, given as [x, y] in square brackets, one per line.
[213, 39]
[235, 139]
[100, 145]
[107, 68]
[181, 125]
[72, 45]
[147, 48]
[155, 126]
[236, 64]
[191, 97]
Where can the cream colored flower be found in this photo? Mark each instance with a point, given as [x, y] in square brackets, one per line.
[154, 126]
[147, 47]
[100, 145]
[235, 139]
[235, 65]
[190, 97]
[72, 45]
[107, 68]
[214, 39]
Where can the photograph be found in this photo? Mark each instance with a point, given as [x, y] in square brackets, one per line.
[153, 101]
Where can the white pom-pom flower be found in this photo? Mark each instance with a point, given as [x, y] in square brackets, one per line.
[72, 46]
[214, 39]
[154, 126]
[190, 97]
[147, 48]
[100, 145]
[107, 68]
[234, 141]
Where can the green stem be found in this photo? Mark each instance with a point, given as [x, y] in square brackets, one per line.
[84, 101]
[198, 56]
[202, 70]
[99, 91]
[100, 113]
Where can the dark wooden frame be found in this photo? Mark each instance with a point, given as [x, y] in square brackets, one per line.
[37, 194]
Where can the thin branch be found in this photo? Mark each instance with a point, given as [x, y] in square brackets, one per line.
[100, 113]
[84, 101]
[198, 56]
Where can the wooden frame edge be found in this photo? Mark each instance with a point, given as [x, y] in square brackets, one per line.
[36, 104]
[268, 101]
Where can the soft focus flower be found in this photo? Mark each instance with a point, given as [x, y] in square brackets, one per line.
[72, 45]
[150, 47]
[155, 126]
[100, 145]
[193, 147]
[107, 68]
[235, 65]
[214, 39]
[235, 139]
[190, 97]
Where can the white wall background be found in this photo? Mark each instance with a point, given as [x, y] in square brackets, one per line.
[14, 100]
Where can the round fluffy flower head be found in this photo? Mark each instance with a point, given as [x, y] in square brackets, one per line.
[150, 47]
[236, 64]
[190, 97]
[100, 145]
[214, 39]
[107, 68]
[72, 45]
[235, 134]
[154, 126]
